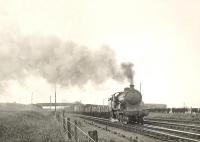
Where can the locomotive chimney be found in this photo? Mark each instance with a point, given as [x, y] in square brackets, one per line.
[131, 83]
[132, 86]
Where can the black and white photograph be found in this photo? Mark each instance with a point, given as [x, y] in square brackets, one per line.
[99, 71]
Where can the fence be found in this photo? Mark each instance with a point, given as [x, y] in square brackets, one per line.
[74, 133]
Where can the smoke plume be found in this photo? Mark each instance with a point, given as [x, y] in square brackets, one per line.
[128, 71]
[60, 62]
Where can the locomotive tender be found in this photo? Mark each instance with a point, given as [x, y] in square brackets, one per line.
[127, 106]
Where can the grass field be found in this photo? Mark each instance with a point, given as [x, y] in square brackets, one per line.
[29, 126]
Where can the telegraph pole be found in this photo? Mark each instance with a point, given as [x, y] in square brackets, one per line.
[140, 87]
[32, 98]
[55, 88]
[55, 99]
[50, 102]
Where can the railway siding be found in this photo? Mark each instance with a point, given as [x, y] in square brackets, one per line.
[173, 131]
[179, 126]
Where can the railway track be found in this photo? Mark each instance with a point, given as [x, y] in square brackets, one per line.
[174, 131]
[178, 126]
[156, 132]
[175, 121]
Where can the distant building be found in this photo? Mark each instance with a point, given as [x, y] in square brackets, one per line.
[150, 106]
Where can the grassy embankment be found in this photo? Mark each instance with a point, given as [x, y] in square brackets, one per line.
[20, 123]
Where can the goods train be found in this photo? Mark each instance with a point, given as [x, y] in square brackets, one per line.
[126, 107]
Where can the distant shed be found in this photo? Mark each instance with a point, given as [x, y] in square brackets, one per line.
[151, 106]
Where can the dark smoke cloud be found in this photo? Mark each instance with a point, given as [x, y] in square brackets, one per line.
[128, 71]
[63, 63]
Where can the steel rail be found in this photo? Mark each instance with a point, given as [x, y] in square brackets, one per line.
[150, 131]
[173, 131]
[191, 128]
[174, 120]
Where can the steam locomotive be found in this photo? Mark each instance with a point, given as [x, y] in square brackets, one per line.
[127, 106]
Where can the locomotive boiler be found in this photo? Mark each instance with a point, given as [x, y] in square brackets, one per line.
[127, 106]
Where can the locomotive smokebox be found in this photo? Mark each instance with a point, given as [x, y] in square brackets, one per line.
[132, 96]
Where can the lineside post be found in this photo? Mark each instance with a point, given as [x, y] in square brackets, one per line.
[93, 135]
[63, 114]
[64, 121]
[64, 124]
[75, 131]
[69, 131]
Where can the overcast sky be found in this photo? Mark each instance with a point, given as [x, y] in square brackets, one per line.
[160, 37]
